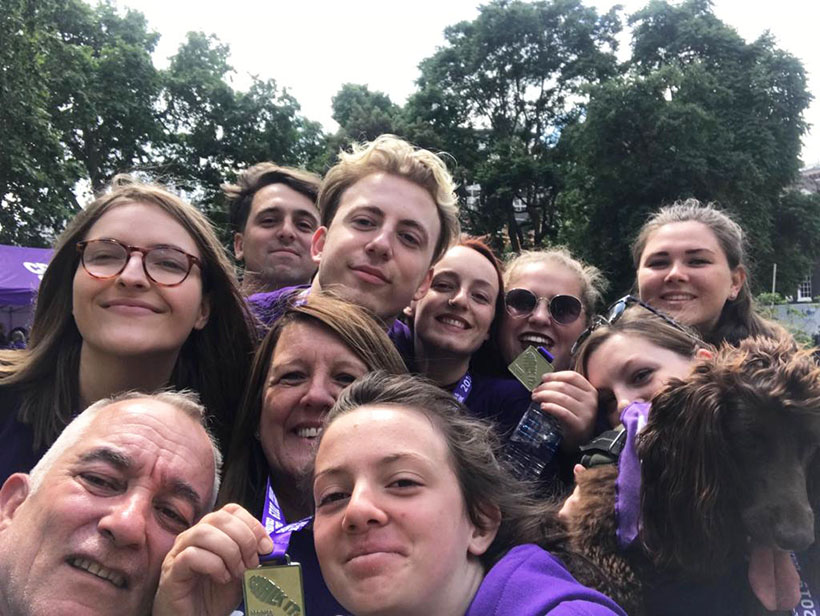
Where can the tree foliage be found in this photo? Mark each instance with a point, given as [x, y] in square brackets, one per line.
[77, 92]
[697, 112]
[499, 94]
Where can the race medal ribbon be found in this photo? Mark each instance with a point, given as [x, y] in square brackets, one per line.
[807, 606]
[463, 388]
[275, 589]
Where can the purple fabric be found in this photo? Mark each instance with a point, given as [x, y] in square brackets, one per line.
[628, 484]
[268, 307]
[21, 270]
[529, 581]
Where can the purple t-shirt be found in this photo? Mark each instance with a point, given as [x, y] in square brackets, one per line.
[529, 581]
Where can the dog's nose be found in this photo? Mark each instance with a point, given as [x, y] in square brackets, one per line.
[795, 532]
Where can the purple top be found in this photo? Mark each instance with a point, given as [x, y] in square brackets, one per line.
[529, 581]
[628, 484]
[268, 307]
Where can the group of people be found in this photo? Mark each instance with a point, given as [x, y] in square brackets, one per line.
[345, 405]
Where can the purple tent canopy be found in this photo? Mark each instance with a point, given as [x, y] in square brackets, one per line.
[21, 270]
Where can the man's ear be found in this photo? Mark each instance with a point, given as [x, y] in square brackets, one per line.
[317, 244]
[424, 286]
[13, 493]
[239, 246]
[482, 536]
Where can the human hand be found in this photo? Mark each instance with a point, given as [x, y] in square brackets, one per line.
[202, 573]
[573, 401]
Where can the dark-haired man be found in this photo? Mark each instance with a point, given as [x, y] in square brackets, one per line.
[273, 214]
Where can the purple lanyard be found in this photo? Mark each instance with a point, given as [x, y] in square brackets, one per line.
[463, 388]
[277, 527]
[807, 605]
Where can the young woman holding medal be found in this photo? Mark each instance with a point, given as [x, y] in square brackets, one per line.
[458, 316]
[549, 298]
[311, 354]
[138, 295]
[689, 262]
[414, 514]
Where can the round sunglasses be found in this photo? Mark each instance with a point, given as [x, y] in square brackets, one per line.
[563, 309]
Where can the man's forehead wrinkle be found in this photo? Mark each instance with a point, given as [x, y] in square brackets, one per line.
[171, 446]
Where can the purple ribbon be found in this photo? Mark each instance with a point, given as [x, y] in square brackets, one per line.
[463, 388]
[628, 484]
[277, 527]
[807, 606]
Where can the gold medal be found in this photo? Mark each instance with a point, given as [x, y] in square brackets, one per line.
[529, 367]
[274, 591]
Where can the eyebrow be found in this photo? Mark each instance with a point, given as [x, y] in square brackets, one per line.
[407, 222]
[688, 252]
[110, 456]
[177, 487]
[298, 212]
[182, 489]
[385, 460]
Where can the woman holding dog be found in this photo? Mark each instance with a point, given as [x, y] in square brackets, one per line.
[549, 299]
[690, 263]
[630, 355]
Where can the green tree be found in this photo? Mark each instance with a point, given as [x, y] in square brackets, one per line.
[213, 131]
[76, 93]
[498, 95]
[697, 112]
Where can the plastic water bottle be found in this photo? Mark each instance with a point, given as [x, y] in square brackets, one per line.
[533, 444]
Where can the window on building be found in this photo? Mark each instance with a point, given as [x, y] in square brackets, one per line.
[804, 290]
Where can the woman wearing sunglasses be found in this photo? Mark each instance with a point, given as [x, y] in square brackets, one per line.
[458, 316]
[138, 295]
[549, 300]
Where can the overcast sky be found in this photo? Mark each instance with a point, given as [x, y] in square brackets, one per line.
[313, 47]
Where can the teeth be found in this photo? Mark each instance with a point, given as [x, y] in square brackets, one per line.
[308, 432]
[454, 322]
[115, 578]
[676, 298]
[536, 340]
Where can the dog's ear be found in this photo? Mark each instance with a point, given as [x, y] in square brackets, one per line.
[686, 477]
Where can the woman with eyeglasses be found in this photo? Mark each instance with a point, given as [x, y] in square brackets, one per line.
[550, 297]
[138, 295]
[458, 316]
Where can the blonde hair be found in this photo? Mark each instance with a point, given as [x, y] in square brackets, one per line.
[392, 155]
[591, 280]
